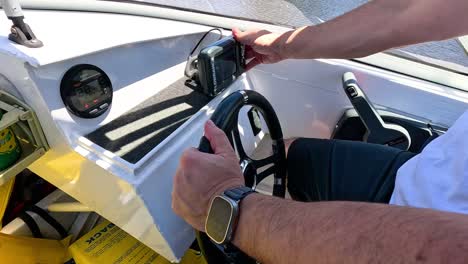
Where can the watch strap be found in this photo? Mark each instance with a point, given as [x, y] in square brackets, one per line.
[238, 193]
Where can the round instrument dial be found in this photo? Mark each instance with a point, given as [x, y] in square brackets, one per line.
[86, 91]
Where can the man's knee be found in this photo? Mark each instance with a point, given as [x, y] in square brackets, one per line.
[296, 159]
[306, 158]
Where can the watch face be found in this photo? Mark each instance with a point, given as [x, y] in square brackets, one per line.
[220, 216]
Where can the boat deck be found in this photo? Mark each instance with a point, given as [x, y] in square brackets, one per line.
[141, 129]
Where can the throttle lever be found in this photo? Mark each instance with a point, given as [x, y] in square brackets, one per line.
[205, 146]
[378, 131]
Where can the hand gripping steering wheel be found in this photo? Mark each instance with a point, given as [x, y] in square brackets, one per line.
[226, 118]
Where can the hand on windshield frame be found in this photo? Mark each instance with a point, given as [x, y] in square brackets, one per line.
[201, 176]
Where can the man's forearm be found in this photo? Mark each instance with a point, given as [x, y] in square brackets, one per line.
[377, 26]
[274, 230]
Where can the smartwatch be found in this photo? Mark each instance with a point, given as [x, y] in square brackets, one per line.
[224, 213]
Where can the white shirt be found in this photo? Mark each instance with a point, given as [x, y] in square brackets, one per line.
[438, 177]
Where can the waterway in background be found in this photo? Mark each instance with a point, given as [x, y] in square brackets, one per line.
[306, 12]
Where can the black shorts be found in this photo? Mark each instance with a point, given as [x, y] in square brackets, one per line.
[335, 170]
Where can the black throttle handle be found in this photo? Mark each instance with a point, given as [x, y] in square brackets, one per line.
[378, 131]
[205, 146]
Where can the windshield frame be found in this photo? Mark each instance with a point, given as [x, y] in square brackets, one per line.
[385, 60]
[367, 61]
[200, 12]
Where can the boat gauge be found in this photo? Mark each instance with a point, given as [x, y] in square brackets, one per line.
[86, 91]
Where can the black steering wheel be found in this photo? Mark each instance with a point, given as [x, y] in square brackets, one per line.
[226, 118]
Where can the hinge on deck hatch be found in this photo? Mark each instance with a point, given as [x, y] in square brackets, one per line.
[20, 121]
[21, 33]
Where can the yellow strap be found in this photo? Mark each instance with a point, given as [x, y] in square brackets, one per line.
[15, 249]
[5, 193]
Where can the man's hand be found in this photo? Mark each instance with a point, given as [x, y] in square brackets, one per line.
[262, 46]
[202, 176]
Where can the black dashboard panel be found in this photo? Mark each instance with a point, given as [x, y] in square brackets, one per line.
[141, 129]
[86, 91]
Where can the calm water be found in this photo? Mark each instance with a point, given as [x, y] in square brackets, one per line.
[305, 12]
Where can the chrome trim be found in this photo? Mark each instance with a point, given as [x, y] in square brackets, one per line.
[244, 94]
[244, 165]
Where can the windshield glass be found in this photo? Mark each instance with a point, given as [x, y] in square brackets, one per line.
[449, 54]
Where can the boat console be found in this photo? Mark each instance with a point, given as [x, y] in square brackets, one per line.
[116, 114]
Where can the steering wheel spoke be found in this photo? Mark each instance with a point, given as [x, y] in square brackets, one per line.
[264, 162]
[238, 143]
[264, 174]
